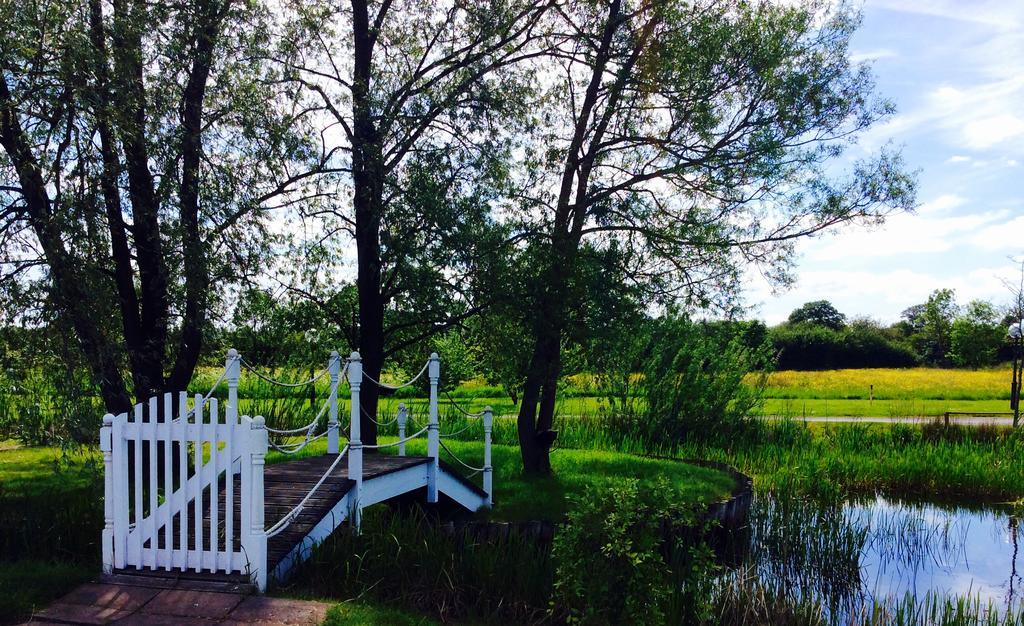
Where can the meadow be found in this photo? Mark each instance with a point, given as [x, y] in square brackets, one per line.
[918, 383]
[29, 409]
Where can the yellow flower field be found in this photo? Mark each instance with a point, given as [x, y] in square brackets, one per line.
[892, 384]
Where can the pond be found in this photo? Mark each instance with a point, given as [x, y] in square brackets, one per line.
[876, 550]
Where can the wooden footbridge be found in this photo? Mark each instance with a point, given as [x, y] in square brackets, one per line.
[188, 492]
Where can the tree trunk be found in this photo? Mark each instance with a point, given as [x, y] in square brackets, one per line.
[124, 278]
[536, 413]
[193, 251]
[129, 19]
[367, 180]
[68, 286]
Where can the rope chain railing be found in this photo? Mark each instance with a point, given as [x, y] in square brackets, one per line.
[310, 428]
[289, 517]
[399, 441]
[280, 383]
[403, 385]
[371, 418]
[200, 401]
[353, 449]
[460, 461]
[453, 403]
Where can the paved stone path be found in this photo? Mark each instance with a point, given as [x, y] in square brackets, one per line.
[105, 603]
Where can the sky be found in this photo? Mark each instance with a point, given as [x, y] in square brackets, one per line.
[955, 71]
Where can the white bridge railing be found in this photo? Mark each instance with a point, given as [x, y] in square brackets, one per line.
[170, 500]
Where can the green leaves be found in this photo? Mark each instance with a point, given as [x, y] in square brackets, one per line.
[610, 555]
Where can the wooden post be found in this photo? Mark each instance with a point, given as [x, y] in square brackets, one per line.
[106, 436]
[334, 366]
[403, 417]
[433, 430]
[233, 365]
[119, 497]
[355, 443]
[255, 547]
[488, 472]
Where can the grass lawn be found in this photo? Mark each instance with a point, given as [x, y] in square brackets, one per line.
[353, 614]
[521, 498]
[40, 470]
[27, 586]
[48, 528]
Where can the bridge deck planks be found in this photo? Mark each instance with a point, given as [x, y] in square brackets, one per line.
[284, 486]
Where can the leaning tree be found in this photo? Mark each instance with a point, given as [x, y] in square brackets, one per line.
[142, 145]
[702, 138]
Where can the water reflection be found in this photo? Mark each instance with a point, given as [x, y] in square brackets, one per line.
[849, 554]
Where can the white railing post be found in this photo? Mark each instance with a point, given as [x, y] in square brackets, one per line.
[233, 367]
[488, 471]
[254, 537]
[355, 442]
[403, 417]
[433, 431]
[119, 499]
[106, 436]
[334, 366]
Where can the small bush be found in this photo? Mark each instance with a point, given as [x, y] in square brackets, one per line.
[697, 383]
[611, 564]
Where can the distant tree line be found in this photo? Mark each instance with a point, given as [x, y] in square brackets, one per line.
[937, 333]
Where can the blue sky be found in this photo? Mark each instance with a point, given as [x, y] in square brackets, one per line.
[955, 70]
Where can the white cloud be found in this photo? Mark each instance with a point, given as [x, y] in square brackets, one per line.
[878, 294]
[977, 117]
[1000, 13]
[987, 132]
[904, 234]
[941, 204]
[958, 158]
[872, 55]
[1001, 236]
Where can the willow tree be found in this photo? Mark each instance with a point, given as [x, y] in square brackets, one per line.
[141, 147]
[413, 96]
[702, 138]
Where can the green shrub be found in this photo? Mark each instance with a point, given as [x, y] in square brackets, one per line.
[696, 383]
[610, 555]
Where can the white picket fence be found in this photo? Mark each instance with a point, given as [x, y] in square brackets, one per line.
[170, 468]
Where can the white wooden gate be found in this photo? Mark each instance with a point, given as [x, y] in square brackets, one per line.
[170, 492]
[170, 468]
